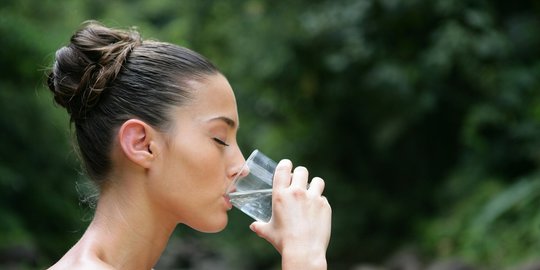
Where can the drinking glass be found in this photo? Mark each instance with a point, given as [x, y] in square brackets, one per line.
[251, 191]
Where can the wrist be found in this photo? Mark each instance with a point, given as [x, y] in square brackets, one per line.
[302, 258]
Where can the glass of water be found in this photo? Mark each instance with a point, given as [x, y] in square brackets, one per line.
[251, 191]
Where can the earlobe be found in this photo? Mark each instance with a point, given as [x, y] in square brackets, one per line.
[135, 138]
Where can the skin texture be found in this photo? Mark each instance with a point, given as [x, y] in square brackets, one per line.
[179, 176]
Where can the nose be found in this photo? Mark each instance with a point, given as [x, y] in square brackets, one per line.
[237, 168]
[243, 172]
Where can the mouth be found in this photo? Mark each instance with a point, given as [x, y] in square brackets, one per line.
[228, 203]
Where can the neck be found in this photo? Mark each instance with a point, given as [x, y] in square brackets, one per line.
[127, 232]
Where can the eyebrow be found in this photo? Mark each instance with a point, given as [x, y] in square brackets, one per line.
[225, 119]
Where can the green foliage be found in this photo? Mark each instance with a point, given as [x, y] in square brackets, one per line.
[38, 209]
[422, 116]
[494, 225]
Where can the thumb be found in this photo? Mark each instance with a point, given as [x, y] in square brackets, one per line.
[260, 228]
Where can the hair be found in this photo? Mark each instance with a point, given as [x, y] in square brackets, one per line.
[107, 76]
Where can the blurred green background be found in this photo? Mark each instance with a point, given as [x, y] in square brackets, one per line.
[423, 117]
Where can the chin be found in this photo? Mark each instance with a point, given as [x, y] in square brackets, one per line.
[211, 226]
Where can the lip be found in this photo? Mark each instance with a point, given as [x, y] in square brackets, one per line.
[228, 203]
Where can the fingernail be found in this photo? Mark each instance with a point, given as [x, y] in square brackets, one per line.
[285, 162]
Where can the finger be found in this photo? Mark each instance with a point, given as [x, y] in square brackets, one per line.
[317, 185]
[300, 177]
[260, 228]
[282, 175]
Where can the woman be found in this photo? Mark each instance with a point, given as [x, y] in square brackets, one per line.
[156, 127]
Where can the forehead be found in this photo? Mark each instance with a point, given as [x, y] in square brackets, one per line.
[211, 97]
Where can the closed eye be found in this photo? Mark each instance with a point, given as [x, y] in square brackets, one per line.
[220, 142]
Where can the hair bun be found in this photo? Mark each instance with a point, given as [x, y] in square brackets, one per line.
[84, 68]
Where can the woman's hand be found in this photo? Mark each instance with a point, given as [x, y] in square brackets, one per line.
[301, 219]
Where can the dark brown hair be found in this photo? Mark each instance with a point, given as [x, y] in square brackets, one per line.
[107, 76]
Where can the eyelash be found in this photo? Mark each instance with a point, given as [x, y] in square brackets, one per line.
[220, 142]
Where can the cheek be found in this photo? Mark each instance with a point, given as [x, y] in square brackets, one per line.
[192, 182]
[194, 165]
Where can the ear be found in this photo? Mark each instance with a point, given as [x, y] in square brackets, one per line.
[137, 142]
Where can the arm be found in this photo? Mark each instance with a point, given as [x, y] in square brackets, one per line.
[301, 219]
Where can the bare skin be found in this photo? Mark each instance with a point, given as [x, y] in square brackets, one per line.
[161, 179]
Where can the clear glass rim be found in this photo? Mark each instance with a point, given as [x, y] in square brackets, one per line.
[238, 174]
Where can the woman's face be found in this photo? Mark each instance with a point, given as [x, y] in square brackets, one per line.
[201, 157]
